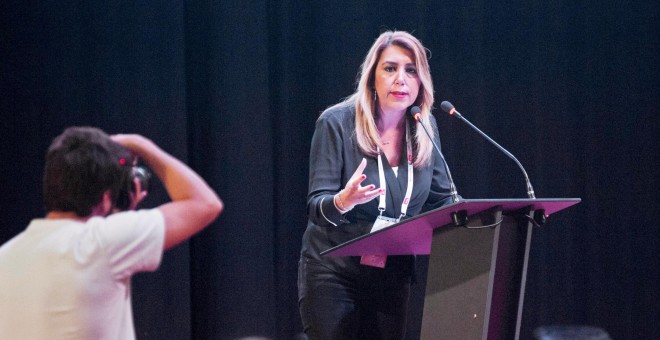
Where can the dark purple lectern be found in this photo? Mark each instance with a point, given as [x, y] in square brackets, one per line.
[479, 250]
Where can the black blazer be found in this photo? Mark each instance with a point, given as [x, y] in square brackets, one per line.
[334, 156]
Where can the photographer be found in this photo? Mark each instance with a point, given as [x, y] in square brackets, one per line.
[68, 275]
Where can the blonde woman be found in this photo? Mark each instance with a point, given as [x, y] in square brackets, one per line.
[366, 137]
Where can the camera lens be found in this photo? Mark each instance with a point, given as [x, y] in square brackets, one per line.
[124, 198]
[143, 175]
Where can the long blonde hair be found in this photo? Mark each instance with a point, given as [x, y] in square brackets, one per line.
[364, 97]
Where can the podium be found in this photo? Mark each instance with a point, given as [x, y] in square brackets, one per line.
[479, 252]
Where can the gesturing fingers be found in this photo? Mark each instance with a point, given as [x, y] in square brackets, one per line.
[372, 193]
[354, 193]
[358, 176]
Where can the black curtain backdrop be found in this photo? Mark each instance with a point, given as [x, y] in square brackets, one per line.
[234, 88]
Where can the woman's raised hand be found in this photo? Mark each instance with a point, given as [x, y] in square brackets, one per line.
[354, 193]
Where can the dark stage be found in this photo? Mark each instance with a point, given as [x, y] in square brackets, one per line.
[234, 88]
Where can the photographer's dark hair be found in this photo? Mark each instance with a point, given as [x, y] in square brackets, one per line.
[81, 164]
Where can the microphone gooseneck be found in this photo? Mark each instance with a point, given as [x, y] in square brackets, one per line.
[449, 108]
[415, 112]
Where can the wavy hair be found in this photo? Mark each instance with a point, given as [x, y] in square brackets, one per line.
[365, 103]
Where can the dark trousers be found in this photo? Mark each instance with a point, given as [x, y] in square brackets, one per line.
[335, 307]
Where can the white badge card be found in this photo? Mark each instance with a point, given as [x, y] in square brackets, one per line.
[377, 260]
[382, 222]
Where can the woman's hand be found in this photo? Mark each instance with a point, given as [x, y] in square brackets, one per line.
[354, 193]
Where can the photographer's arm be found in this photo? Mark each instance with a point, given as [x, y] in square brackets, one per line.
[194, 204]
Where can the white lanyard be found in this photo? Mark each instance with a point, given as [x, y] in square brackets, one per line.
[383, 184]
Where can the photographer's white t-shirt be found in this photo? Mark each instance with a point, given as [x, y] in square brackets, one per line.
[64, 279]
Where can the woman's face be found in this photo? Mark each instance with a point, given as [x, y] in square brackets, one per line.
[396, 80]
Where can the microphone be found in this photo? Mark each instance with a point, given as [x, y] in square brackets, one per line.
[449, 108]
[416, 112]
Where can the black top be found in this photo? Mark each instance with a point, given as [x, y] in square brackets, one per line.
[334, 157]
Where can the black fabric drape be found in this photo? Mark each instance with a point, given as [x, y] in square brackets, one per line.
[234, 88]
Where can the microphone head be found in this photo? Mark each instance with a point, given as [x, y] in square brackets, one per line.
[447, 107]
[415, 111]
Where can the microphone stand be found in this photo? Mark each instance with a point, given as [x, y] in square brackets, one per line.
[453, 112]
[539, 216]
[459, 218]
[452, 187]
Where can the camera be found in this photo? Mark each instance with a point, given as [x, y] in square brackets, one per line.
[143, 176]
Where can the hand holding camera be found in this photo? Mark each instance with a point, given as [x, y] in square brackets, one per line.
[137, 184]
[135, 189]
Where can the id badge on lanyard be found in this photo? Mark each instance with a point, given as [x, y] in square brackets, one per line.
[384, 221]
[378, 260]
